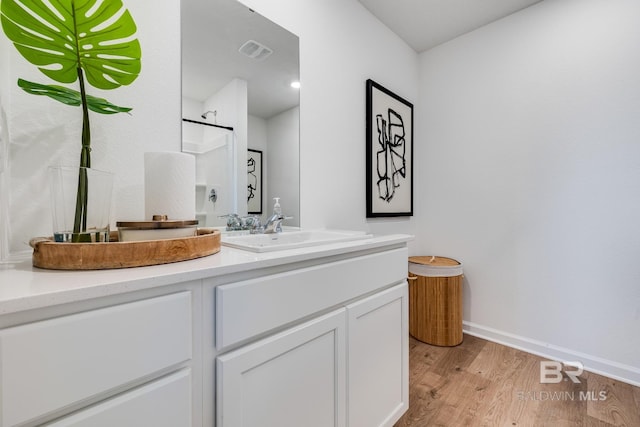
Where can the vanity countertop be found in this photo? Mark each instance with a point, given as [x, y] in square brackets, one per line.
[24, 287]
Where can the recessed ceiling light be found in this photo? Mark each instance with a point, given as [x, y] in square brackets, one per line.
[295, 85]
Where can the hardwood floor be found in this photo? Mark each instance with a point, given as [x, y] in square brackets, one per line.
[481, 383]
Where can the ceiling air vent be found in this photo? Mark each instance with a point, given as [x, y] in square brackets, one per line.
[255, 50]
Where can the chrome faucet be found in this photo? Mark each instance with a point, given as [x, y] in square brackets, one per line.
[249, 222]
[233, 221]
[274, 223]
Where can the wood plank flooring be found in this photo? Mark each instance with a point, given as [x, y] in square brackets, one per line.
[481, 383]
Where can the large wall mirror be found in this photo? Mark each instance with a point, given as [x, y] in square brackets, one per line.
[240, 111]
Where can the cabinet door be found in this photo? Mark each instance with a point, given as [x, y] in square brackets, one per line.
[378, 359]
[163, 403]
[294, 378]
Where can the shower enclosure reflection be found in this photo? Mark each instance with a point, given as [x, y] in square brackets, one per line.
[237, 70]
[216, 169]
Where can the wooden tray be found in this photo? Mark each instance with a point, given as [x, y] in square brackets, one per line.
[100, 256]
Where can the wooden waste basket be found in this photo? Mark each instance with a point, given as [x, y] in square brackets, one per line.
[435, 300]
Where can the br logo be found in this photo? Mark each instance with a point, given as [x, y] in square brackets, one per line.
[551, 371]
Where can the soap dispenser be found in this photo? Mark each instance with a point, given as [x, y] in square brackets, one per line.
[276, 206]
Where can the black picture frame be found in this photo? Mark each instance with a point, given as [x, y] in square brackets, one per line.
[389, 153]
[254, 182]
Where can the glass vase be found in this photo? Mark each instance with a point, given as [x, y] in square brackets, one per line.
[81, 204]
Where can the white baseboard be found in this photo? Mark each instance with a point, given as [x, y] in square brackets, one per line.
[597, 365]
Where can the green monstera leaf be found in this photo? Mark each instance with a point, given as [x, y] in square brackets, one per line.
[71, 97]
[60, 36]
[69, 41]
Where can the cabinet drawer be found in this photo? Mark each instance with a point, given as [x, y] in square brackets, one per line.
[49, 365]
[249, 308]
[163, 403]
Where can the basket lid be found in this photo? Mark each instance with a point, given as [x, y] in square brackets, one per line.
[434, 266]
[437, 261]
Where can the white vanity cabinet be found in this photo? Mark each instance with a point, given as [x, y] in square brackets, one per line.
[102, 361]
[315, 346]
[310, 337]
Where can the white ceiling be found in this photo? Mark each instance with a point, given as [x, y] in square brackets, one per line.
[213, 30]
[424, 24]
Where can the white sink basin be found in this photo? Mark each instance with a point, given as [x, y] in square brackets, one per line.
[290, 239]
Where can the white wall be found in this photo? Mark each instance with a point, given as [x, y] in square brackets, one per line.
[191, 132]
[44, 132]
[4, 149]
[257, 133]
[283, 162]
[341, 46]
[258, 141]
[531, 178]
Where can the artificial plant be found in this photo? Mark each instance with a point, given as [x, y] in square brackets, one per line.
[74, 40]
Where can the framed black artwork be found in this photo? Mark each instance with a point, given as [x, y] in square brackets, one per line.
[254, 182]
[389, 153]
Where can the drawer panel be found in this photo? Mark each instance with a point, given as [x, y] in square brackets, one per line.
[52, 364]
[163, 403]
[248, 308]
